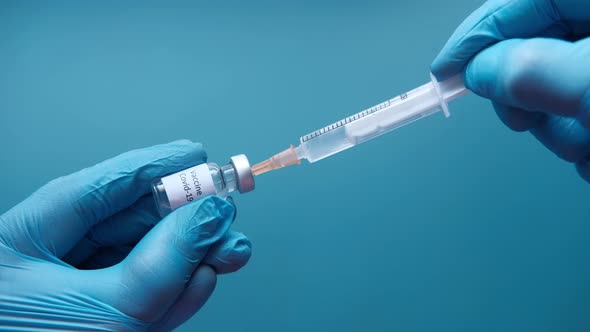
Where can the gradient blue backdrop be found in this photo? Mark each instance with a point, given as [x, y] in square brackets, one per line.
[444, 225]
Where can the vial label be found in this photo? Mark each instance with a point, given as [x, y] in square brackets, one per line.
[189, 185]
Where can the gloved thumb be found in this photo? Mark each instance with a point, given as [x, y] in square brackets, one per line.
[156, 272]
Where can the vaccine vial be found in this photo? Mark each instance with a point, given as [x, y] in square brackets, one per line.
[198, 182]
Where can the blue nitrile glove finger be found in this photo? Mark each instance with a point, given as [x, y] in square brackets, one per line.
[52, 220]
[109, 242]
[227, 255]
[123, 228]
[566, 137]
[542, 85]
[499, 20]
[155, 273]
[230, 253]
[516, 118]
[37, 295]
[197, 291]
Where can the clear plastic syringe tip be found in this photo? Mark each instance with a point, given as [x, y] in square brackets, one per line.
[282, 159]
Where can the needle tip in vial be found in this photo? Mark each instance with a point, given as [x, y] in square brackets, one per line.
[282, 159]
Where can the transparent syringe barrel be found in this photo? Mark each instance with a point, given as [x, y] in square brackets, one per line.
[379, 119]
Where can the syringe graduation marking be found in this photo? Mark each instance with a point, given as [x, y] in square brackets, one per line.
[352, 118]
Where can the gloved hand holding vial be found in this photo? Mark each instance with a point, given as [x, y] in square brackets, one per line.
[89, 252]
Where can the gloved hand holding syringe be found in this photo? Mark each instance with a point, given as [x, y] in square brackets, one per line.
[368, 124]
[203, 180]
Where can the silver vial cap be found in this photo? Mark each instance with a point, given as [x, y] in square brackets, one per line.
[243, 173]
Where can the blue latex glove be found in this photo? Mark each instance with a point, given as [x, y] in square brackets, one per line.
[532, 59]
[139, 273]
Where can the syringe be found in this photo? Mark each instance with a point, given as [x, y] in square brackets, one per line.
[370, 123]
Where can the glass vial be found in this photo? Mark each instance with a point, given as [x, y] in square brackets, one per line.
[197, 182]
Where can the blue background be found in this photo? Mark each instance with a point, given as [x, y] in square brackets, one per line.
[444, 225]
